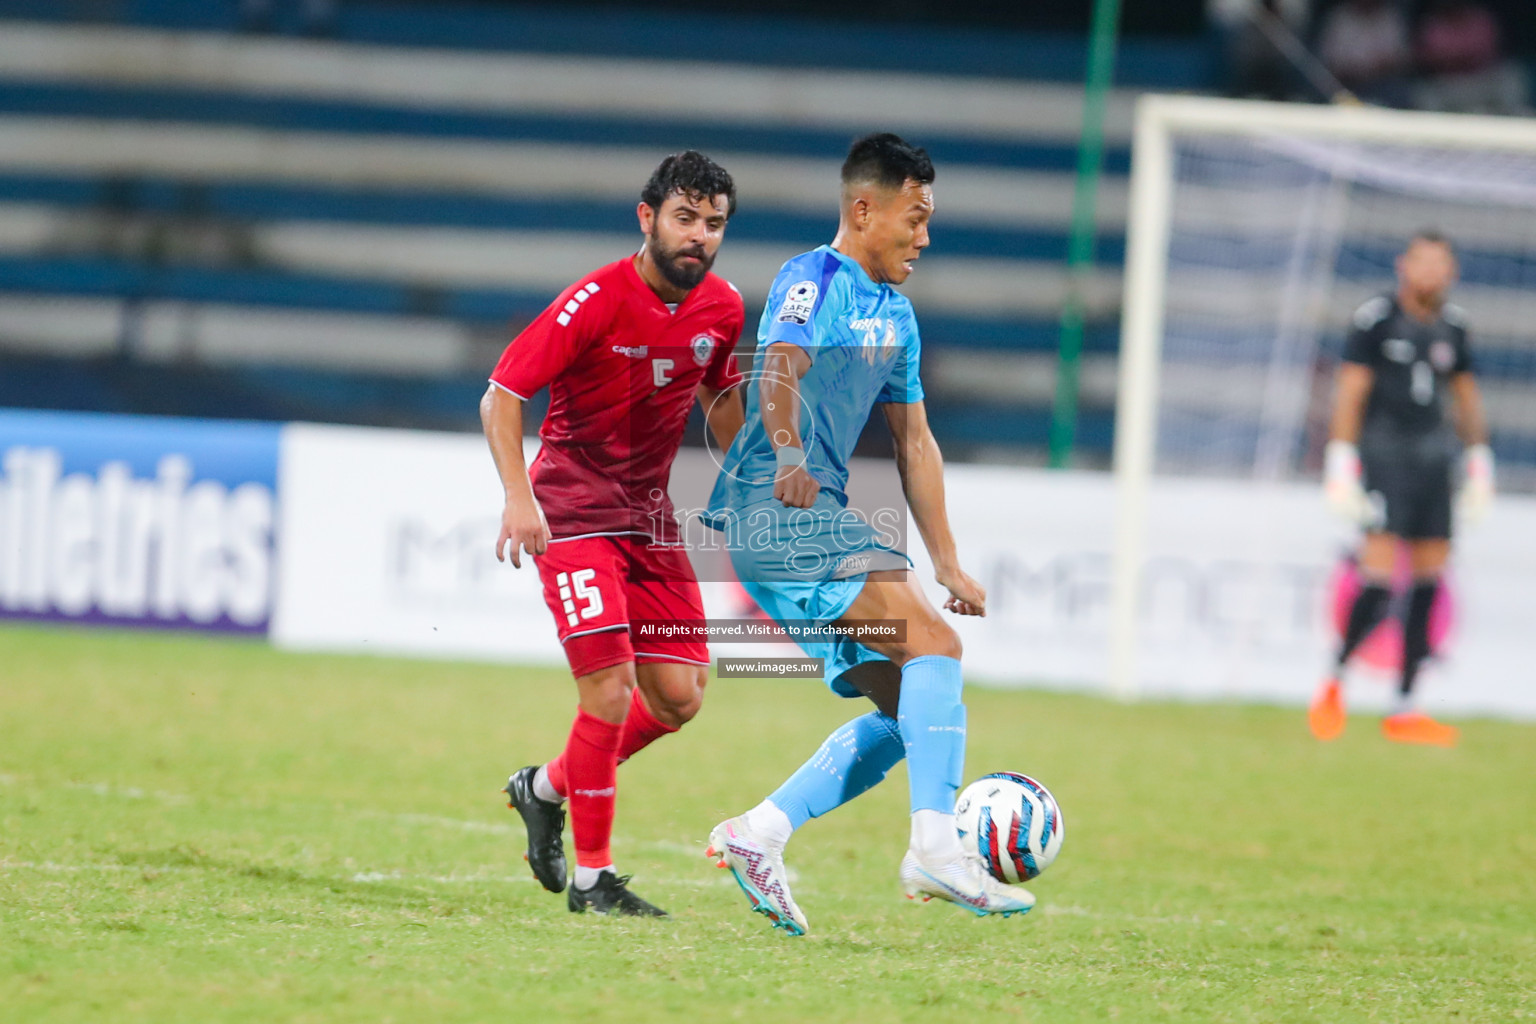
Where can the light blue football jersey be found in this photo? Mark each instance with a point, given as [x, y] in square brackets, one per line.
[864, 347]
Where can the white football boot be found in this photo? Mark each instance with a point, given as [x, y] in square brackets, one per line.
[964, 881]
[758, 865]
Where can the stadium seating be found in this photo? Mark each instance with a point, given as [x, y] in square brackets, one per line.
[346, 229]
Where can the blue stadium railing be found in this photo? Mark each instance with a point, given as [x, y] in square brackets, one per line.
[251, 202]
[187, 106]
[1154, 62]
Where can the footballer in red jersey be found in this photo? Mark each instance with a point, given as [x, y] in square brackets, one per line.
[625, 352]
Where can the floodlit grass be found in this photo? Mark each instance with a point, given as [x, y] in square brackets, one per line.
[198, 830]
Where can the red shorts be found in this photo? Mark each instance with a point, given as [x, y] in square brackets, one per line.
[596, 586]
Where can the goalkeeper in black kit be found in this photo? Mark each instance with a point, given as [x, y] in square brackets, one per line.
[1392, 465]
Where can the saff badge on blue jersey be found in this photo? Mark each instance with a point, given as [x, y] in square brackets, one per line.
[799, 303]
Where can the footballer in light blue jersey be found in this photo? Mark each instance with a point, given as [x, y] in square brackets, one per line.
[835, 341]
[863, 344]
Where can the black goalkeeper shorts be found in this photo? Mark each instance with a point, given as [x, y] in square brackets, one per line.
[1408, 479]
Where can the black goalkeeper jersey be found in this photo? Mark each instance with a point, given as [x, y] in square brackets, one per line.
[1413, 362]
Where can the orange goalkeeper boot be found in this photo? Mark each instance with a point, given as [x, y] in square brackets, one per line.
[1326, 715]
[1417, 727]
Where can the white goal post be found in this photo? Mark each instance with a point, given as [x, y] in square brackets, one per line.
[1363, 167]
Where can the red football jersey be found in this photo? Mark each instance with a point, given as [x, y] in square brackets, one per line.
[622, 369]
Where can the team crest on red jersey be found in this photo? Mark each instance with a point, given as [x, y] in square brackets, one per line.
[1443, 355]
[703, 346]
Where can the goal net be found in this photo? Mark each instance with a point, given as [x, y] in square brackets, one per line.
[1256, 230]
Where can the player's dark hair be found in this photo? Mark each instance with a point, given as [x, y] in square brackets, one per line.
[692, 174]
[886, 160]
[1434, 236]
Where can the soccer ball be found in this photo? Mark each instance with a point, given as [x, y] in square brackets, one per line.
[1012, 823]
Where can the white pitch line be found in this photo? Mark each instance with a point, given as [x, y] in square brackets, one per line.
[401, 876]
[434, 821]
[684, 848]
[129, 792]
[1069, 910]
[53, 867]
[103, 789]
[361, 877]
[702, 881]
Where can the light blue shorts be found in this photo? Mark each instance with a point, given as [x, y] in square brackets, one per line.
[820, 603]
[809, 565]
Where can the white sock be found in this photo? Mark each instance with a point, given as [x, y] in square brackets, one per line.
[934, 836]
[543, 788]
[586, 878]
[1402, 704]
[769, 822]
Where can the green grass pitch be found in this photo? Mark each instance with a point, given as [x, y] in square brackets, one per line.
[201, 830]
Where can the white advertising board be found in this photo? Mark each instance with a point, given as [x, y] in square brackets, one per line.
[1236, 597]
[387, 546]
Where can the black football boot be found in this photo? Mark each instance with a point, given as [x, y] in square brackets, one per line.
[545, 822]
[611, 895]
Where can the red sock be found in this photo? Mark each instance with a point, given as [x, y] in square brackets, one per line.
[641, 729]
[591, 767]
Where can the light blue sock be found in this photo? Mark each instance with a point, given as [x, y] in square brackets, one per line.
[850, 761]
[932, 723]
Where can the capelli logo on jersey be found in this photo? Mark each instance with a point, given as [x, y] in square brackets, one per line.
[633, 351]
